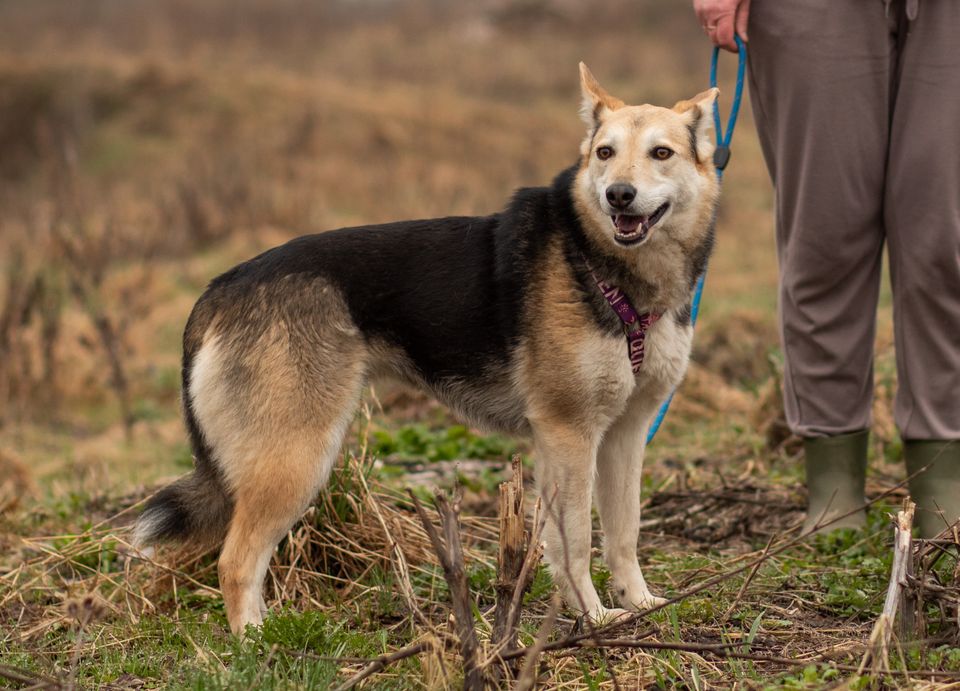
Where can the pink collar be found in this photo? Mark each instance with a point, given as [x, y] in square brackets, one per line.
[634, 325]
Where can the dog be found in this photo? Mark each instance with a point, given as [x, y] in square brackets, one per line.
[565, 317]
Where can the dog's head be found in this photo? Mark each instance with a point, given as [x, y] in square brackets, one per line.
[646, 174]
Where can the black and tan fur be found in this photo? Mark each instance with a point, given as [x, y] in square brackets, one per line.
[496, 316]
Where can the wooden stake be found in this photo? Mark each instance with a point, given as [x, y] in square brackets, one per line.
[513, 547]
[879, 645]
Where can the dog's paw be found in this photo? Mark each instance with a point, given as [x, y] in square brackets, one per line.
[632, 593]
[603, 616]
[642, 601]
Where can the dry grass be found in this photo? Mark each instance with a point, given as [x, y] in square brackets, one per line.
[356, 525]
[741, 613]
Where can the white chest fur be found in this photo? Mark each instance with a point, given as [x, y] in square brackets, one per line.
[667, 354]
[608, 381]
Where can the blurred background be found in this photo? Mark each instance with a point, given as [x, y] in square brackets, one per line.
[147, 145]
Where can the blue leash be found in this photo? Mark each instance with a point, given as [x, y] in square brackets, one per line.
[721, 156]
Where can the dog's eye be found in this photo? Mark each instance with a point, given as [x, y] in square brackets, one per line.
[662, 153]
[604, 152]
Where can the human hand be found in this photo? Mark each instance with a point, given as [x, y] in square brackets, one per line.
[720, 19]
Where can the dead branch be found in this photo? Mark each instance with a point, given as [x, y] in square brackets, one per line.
[378, 664]
[532, 558]
[515, 546]
[677, 518]
[449, 550]
[748, 579]
[720, 650]
[520, 552]
[879, 643]
[941, 586]
[21, 676]
[528, 675]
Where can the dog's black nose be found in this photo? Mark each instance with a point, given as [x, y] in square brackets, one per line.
[621, 194]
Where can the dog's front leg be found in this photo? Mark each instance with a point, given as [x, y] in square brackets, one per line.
[565, 463]
[619, 465]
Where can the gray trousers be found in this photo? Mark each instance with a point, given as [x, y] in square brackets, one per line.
[858, 112]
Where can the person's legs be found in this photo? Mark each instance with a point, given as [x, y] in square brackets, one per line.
[820, 86]
[922, 216]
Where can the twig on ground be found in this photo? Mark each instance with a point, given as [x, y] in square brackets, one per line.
[378, 664]
[749, 579]
[265, 665]
[942, 585]
[449, 550]
[22, 676]
[528, 675]
[680, 517]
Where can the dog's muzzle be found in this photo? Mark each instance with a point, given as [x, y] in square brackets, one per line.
[633, 229]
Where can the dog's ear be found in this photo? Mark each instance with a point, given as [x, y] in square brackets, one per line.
[698, 114]
[596, 102]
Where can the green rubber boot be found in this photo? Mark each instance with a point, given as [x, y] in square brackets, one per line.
[937, 488]
[836, 476]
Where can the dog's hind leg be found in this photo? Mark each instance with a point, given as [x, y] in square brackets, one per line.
[268, 501]
[261, 517]
[619, 465]
[273, 387]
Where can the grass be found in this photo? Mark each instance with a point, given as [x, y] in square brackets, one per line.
[811, 599]
[446, 444]
[172, 141]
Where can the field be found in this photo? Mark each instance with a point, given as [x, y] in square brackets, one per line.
[147, 147]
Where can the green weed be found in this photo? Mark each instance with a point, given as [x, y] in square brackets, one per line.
[451, 443]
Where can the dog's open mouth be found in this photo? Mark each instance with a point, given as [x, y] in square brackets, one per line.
[633, 229]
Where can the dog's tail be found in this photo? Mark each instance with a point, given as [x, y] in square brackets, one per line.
[195, 509]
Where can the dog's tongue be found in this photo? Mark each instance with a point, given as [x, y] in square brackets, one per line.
[627, 224]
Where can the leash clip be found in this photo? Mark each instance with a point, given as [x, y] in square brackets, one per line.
[721, 157]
